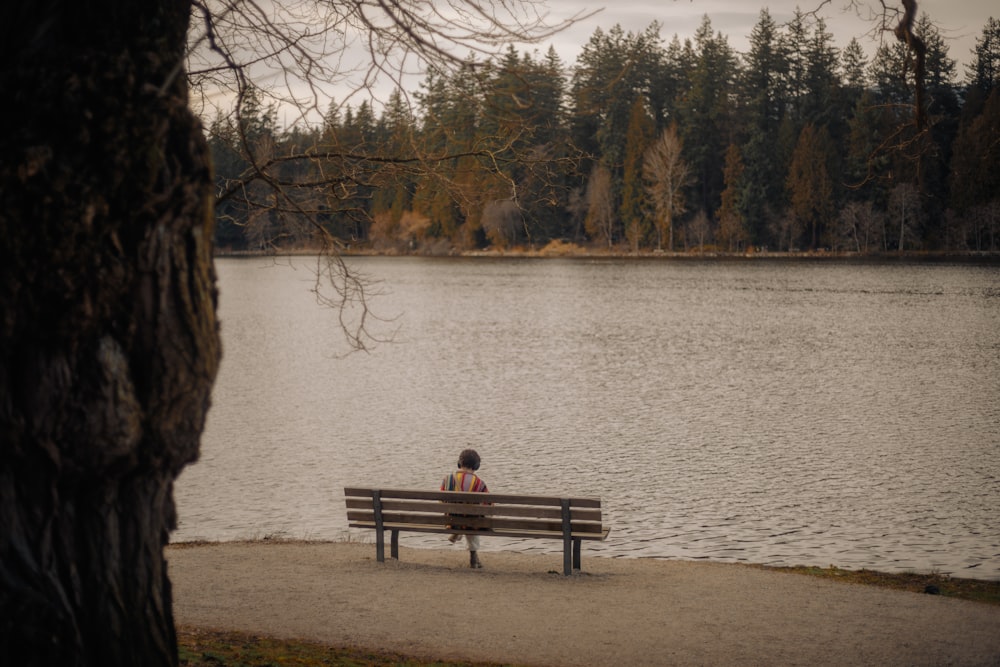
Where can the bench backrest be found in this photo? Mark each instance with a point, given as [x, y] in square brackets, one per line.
[498, 513]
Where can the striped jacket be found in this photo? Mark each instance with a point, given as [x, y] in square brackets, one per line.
[463, 481]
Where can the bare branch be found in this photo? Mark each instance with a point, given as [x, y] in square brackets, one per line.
[298, 55]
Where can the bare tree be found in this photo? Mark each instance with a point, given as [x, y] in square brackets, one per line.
[860, 227]
[391, 236]
[905, 208]
[307, 58]
[501, 221]
[700, 229]
[787, 229]
[985, 220]
[666, 175]
[109, 340]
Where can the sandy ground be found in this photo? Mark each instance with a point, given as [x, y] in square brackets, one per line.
[521, 609]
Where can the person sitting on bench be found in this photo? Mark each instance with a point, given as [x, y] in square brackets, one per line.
[466, 479]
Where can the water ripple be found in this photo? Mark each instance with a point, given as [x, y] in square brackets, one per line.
[778, 413]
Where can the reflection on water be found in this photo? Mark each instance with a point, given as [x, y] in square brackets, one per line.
[765, 412]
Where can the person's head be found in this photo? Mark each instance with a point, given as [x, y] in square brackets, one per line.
[469, 458]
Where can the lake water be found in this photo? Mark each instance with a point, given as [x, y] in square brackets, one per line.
[775, 412]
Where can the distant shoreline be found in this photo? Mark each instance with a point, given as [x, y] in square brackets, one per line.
[971, 257]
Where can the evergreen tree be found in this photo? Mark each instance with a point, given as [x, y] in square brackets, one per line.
[450, 106]
[943, 113]
[887, 72]
[809, 184]
[674, 81]
[867, 163]
[548, 180]
[394, 181]
[940, 67]
[634, 205]
[247, 197]
[893, 94]
[983, 72]
[549, 87]
[257, 123]
[601, 95]
[229, 165]
[795, 46]
[705, 113]
[600, 219]
[246, 147]
[733, 232]
[975, 165]
[823, 104]
[853, 71]
[821, 84]
[354, 193]
[763, 78]
[613, 70]
[341, 212]
[525, 111]
[296, 208]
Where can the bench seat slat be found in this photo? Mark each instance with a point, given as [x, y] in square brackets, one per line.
[419, 528]
[488, 524]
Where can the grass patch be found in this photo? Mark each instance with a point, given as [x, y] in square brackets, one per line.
[213, 648]
[976, 590]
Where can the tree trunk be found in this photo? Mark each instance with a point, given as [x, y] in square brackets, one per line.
[108, 336]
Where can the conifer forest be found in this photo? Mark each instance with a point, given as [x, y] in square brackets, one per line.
[644, 144]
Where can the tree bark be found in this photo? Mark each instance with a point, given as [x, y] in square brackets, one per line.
[108, 335]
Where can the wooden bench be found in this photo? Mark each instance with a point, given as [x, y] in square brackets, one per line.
[571, 520]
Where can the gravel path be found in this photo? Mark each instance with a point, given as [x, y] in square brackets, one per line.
[520, 609]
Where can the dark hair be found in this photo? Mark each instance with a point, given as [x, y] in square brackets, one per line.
[469, 458]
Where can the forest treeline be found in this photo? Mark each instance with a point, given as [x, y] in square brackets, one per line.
[642, 144]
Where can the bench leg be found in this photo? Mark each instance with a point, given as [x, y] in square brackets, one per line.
[379, 531]
[567, 538]
[576, 554]
[394, 545]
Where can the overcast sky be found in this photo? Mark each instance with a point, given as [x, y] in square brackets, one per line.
[960, 21]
